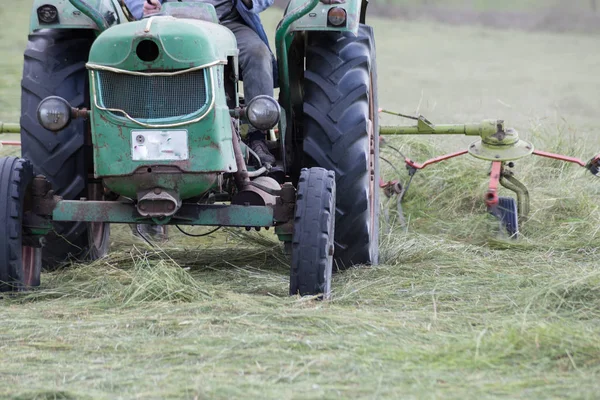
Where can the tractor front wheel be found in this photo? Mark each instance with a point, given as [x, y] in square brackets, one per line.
[20, 265]
[312, 239]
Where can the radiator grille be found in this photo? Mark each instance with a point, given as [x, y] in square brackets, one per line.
[154, 97]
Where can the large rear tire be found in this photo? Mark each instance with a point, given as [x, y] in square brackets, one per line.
[55, 65]
[341, 134]
[312, 239]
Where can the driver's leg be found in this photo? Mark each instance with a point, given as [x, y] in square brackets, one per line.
[257, 72]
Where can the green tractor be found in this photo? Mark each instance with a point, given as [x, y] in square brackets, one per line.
[139, 122]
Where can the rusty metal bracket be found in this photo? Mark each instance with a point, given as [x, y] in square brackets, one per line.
[265, 189]
[188, 214]
[511, 183]
[594, 165]
[43, 200]
[284, 213]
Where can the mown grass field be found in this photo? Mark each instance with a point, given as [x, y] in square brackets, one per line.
[453, 311]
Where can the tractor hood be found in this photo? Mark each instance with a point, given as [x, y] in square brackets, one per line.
[163, 44]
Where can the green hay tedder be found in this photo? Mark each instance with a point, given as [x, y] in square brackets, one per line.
[139, 122]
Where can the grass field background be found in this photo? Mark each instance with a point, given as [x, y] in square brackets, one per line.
[453, 311]
[494, 5]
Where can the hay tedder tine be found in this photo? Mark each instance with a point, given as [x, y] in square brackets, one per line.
[593, 165]
[560, 157]
[411, 164]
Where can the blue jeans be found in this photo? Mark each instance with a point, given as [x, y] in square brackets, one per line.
[255, 61]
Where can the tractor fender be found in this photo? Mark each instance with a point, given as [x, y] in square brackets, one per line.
[316, 19]
[61, 14]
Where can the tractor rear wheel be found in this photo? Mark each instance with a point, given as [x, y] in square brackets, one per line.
[312, 239]
[55, 65]
[341, 134]
[19, 265]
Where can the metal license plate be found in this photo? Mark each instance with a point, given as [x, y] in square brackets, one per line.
[157, 145]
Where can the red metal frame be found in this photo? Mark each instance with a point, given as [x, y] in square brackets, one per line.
[560, 157]
[491, 197]
[445, 157]
[383, 184]
[10, 143]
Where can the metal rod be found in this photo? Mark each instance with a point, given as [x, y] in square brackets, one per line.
[91, 13]
[435, 160]
[465, 129]
[5, 127]
[485, 128]
[491, 197]
[282, 56]
[241, 175]
[258, 172]
[560, 157]
[509, 181]
[188, 214]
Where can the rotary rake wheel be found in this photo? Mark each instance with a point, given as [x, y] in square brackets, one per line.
[498, 145]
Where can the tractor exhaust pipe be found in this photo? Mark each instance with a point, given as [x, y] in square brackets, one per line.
[158, 203]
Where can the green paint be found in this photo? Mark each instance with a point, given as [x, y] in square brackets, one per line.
[424, 127]
[316, 19]
[195, 214]
[282, 41]
[496, 144]
[284, 238]
[5, 127]
[301, 16]
[99, 19]
[503, 145]
[199, 11]
[40, 231]
[186, 184]
[71, 17]
[182, 44]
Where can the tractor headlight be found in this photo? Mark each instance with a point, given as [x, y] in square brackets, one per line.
[336, 16]
[54, 113]
[263, 112]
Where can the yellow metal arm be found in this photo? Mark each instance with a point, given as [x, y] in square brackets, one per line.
[5, 127]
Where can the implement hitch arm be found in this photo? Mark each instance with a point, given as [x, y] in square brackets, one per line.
[5, 127]
[9, 128]
[425, 127]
